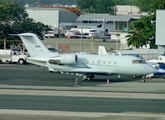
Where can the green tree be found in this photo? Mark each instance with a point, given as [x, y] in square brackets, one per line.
[14, 20]
[142, 30]
[144, 5]
[42, 2]
[157, 4]
[28, 25]
[105, 6]
[10, 11]
[100, 6]
[86, 5]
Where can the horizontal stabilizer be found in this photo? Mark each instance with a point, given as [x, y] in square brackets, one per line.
[49, 67]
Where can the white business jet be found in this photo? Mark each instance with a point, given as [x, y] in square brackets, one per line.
[85, 65]
[95, 33]
[100, 32]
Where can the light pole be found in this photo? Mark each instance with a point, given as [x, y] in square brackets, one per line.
[81, 32]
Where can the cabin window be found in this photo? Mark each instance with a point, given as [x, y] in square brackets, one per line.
[109, 62]
[93, 62]
[85, 21]
[115, 63]
[104, 62]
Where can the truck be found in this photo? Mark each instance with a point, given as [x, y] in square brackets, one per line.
[54, 33]
[72, 34]
[12, 56]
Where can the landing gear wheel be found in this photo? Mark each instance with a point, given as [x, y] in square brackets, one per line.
[84, 78]
[143, 79]
[89, 78]
[135, 76]
[104, 40]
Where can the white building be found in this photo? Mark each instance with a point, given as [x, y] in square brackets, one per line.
[129, 10]
[160, 28]
[52, 16]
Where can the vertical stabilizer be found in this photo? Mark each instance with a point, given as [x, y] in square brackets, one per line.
[34, 45]
[102, 50]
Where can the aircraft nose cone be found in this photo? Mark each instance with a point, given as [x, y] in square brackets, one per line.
[153, 69]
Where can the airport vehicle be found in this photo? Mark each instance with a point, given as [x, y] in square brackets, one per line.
[54, 50]
[12, 56]
[72, 33]
[52, 34]
[83, 65]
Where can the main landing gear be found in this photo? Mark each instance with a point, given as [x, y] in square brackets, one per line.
[143, 78]
[87, 77]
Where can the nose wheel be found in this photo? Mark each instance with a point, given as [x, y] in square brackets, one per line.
[143, 79]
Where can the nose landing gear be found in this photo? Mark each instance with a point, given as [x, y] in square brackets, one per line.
[143, 79]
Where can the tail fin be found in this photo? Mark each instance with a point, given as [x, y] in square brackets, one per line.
[102, 50]
[34, 45]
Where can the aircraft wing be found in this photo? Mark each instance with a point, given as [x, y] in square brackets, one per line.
[99, 36]
[104, 37]
[88, 71]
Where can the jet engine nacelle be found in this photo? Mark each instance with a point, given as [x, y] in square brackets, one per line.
[65, 59]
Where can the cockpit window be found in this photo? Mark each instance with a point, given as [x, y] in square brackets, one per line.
[157, 67]
[138, 61]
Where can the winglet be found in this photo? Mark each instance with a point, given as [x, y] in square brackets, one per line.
[102, 50]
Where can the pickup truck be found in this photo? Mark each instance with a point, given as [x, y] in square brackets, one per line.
[11, 56]
[52, 34]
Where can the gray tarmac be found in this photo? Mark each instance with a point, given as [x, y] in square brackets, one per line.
[27, 80]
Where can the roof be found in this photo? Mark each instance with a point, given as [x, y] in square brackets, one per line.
[67, 16]
[126, 9]
[107, 17]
